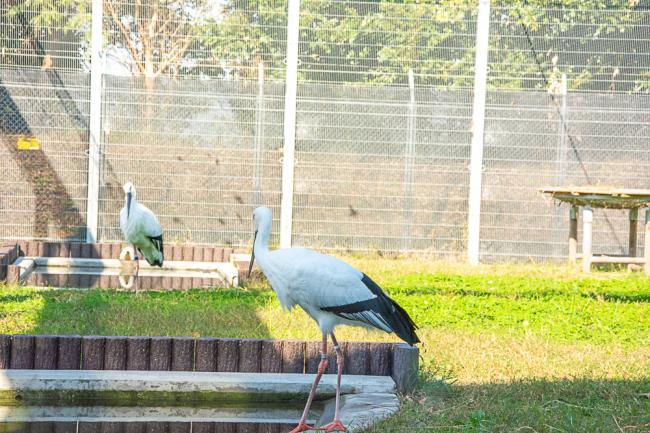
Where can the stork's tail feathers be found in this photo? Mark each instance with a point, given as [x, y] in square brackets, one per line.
[394, 315]
[402, 324]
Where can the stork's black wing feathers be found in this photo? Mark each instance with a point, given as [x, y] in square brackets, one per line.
[157, 241]
[381, 312]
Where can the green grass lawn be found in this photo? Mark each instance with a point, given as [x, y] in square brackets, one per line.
[506, 348]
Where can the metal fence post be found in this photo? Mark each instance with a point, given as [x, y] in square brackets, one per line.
[409, 158]
[259, 136]
[289, 146]
[478, 127]
[92, 209]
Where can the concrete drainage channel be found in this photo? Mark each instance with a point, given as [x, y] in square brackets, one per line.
[234, 385]
[235, 397]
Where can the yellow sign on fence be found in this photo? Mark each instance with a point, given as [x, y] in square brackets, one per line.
[30, 143]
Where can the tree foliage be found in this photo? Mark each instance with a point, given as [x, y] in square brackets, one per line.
[370, 41]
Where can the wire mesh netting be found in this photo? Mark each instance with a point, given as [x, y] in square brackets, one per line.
[193, 102]
[381, 165]
[540, 132]
[44, 108]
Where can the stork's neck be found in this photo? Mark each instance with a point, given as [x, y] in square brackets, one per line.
[262, 244]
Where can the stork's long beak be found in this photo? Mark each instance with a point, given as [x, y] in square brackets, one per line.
[250, 266]
[128, 204]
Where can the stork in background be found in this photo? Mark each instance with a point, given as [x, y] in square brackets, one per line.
[141, 228]
[332, 293]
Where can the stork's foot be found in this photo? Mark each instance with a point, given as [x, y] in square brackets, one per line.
[335, 425]
[302, 427]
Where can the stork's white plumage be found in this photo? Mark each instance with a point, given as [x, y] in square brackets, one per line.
[141, 228]
[332, 293]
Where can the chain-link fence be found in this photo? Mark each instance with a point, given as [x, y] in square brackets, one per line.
[193, 106]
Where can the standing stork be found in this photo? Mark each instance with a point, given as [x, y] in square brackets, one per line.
[332, 293]
[141, 228]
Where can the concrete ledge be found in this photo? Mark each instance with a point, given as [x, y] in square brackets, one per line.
[19, 387]
[257, 414]
[360, 411]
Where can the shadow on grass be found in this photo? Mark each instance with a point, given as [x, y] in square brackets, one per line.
[581, 405]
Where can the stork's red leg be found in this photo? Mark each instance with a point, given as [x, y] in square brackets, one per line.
[336, 424]
[322, 367]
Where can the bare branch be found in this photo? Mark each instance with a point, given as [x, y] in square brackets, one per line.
[127, 35]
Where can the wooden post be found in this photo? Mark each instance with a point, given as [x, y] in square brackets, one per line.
[573, 235]
[634, 216]
[587, 222]
[405, 367]
[647, 241]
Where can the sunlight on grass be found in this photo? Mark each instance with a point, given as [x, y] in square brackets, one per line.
[526, 347]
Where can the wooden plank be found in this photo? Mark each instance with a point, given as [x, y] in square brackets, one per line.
[167, 252]
[293, 356]
[247, 427]
[182, 354]
[217, 255]
[5, 351]
[312, 356]
[198, 253]
[202, 427]
[177, 253]
[106, 251]
[380, 359]
[405, 367]
[13, 274]
[32, 248]
[177, 283]
[161, 354]
[271, 358]
[69, 356]
[188, 253]
[156, 283]
[269, 428]
[22, 352]
[92, 353]
[87, 251]
[137, 353]
[180, 427]
[115, 353]
[41, 427]
[52, 249]
[225, 427]
[75, 250]
[45, 352]
[112, 427]
[41, 249]
[157, 427]
[206, 354]
[167, 283]
[65, 427]
[250, 355]
[196, 283]
[357, 360]
[186, 283]
[22, 248]
[116, 249]
[64, 251]
[135, 427]
[227, 354]
[226, 254]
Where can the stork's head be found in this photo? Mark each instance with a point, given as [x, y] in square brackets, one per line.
[262, 217]
[129, 195]
[129, 189]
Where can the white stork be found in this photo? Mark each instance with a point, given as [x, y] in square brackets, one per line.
[332, 293]
[141, 228]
